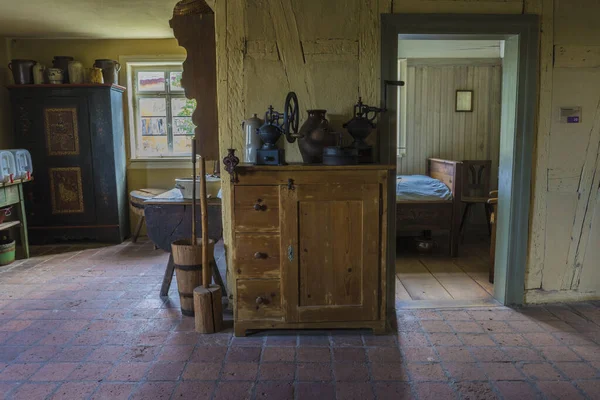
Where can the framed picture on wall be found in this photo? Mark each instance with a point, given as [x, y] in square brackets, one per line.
[464, 101]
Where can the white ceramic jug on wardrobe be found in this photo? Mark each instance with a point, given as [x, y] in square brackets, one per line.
[250, 127]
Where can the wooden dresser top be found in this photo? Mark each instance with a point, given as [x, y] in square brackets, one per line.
[314, 167]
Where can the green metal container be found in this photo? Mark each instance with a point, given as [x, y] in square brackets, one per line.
[7, 253]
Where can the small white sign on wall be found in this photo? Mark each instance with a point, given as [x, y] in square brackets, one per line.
[570, 115]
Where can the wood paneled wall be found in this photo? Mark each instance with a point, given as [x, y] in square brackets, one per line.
[435, 129]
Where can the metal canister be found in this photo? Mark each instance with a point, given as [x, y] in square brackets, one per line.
[250, 127]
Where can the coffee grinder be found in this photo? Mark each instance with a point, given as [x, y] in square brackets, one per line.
[273, 129]
[361, 125]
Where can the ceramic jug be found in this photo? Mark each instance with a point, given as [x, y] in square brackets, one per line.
[75, 72]
[316, 136]
[96, 76]
[250, 127]
[62, 62]
[110, 70]
[22, 71]
[39, 71]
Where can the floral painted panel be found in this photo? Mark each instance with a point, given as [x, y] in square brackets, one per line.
[62, 132]
[66, 190]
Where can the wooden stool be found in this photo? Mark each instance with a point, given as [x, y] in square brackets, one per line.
[136, 205]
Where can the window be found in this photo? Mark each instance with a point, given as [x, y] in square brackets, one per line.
[162, 116]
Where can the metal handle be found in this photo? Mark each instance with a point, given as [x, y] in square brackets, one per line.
[260, 300]
[258, 255]
[290, 253]
[260, 207]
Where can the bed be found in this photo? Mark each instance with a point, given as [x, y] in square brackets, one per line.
[425, 204]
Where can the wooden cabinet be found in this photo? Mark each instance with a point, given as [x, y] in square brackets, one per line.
[75, 134]
[309, 247]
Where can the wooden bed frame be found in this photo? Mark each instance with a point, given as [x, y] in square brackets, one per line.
[444, 215]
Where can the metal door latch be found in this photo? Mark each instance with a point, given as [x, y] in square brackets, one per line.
[290, 253]
[291, 184]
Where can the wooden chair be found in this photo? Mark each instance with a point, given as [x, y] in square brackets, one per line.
[475, 188]
[493, 204]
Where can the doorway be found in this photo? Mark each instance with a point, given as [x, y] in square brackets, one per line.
[519, 35]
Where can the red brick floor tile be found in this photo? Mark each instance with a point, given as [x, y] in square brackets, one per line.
[475, 391]
[106, 353]
[204, 371]
[435, 326]
[165, 371]
[476, 340]
[278, 354]
[541, 372]
[489, 354]
[38, 354]
[435, 391]
[175, 353]
[351, 372]
[276, 372]
[409, 326]
[516, 390]
[6, 388]
[466, 326]
[426, 372]
[314, 340]
[354, 391]
[454, 354]
[90, 371]
[445, 339]
[563, 390]
[154, 391]
[248, 341]
[19, 372]
[146, 354]
[75, 390]
[314, 372]
[113, 391]
[542, 339]
[384, 354]
[282, 340]
[215, 339]
[128, 372]
[313, 354]
[499, 371]
[73, 353]
[393, 391]
[412, 339]
[465, 371]
[496, 326]
[573, 339]
[240, 371]
[510, 339]
[559, 353]
[455, 315]
[9, 353]
[243, 354]
[33, 391]
[525, 326]
[522, 354]
[314, 390]
[589, 353]
[274, 390]
[57, 338]
[423, 354]
[208, 353]
[15, 325]
[234, 391]
[349, 354]
[427, 315]
[347, 340]
[591, 388]
[54, 371]
[577, 370]
[380, 340]
[389, 372]
[194, 390]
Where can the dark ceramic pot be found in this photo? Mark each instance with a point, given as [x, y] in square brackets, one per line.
[22, 71]
[110, 70]
[316, 136]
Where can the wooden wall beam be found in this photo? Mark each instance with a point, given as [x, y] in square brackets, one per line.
[459, 6]
[537, 240]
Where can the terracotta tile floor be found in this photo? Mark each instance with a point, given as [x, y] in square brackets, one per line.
[87, 323]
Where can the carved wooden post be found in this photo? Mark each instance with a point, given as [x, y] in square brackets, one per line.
[193, 25]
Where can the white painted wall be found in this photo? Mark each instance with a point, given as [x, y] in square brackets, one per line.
[409, 48]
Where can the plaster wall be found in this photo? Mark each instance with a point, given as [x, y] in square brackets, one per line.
[5, 108]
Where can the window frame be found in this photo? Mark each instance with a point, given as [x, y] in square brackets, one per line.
[136, 64]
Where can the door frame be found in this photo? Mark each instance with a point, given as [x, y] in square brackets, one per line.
[517, 130]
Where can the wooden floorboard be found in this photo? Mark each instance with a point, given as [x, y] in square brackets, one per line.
[418, 281]
[437, 280]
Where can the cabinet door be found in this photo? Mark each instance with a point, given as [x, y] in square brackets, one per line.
[330, 252]
[63, 191]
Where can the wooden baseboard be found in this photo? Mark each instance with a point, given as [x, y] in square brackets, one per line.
[241, 327]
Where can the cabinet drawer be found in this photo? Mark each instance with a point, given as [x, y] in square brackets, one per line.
[257, 255]
[12, 194]
[258, 299]
[256, 208]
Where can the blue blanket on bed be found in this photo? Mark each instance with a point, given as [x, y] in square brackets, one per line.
[421, 188]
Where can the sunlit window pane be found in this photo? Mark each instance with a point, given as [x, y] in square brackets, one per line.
[151, 81]
[175, 81]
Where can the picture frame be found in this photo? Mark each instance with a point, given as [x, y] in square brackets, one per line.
[464, 101]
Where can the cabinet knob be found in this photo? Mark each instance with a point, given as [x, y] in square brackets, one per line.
[260, 207]
[258, 255]
[260, 300]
